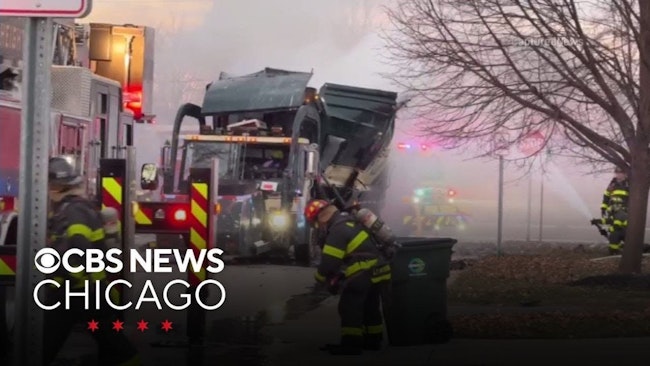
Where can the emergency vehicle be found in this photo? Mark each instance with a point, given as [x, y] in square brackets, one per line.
[98, 88]
[430, 205]
[273, 137]
[87, 124]
[434, 209]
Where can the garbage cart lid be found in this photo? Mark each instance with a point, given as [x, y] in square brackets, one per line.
[411, 242]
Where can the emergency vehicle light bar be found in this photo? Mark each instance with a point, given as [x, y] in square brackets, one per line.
[253, 139]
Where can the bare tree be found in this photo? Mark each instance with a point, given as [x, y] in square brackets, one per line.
[569, 68]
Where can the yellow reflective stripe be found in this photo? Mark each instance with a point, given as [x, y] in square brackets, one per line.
[319, 277]
[350, 224]
[202, 189]
[360, 266]
[374, 329]
[113, 188]
[198, 212]
[86, 232]
[98, 276]
[619, 192]
[333, 251]
[353, 331]
[604, 205]
[142, 219]
[354, 243]
[377, 279]
[5, 269]
[115, 295]
[78, 276]
[607, 193]
[381, 270]
[615, 246]
[197, 239]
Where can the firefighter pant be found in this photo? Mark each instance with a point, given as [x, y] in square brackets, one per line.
[114, 348]
[616, 237]
[360, 312]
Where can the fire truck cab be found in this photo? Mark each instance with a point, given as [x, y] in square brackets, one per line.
[87, 123]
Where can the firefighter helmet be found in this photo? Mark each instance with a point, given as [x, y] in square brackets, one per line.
[314, 208]
[62, 172]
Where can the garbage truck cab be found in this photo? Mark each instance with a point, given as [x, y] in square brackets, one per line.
[255, 173]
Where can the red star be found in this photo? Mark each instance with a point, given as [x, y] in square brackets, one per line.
[142, 325]
[166, 325]
[93, 325]
[118, 325]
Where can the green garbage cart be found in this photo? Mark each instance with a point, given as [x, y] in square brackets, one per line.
[415, 310]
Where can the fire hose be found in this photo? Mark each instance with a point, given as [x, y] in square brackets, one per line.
[598, 223]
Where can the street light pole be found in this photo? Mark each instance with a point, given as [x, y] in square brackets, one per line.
[529, 208]
[541, 209]
[500, 213]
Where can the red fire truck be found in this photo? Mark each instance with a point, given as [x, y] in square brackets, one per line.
[87, 124]
[93, 109]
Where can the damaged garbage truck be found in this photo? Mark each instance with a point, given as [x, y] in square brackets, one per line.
[279, 143]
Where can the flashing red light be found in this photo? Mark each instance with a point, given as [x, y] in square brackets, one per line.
[403, 146]
[451, 193]
[180, 214]
[7, 203]
[132, 99]
[423, 147]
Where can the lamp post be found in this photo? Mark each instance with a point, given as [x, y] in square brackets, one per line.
[500, 214]
[500, 148]
[541, 196]
[529, 207]
[531, 145]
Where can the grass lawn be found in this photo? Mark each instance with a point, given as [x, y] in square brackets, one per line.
[556, 294]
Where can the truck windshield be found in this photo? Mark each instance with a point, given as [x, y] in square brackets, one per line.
[200, 154]
[236, 160]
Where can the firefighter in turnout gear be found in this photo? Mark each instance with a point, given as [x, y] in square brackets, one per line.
[614, 210]
[350, 264]
[75, 222]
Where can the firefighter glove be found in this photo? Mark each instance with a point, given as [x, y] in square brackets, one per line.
[334, 284]
[389, 252]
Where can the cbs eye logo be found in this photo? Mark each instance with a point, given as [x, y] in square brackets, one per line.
[47, 260]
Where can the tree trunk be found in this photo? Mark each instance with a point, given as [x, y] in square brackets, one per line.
[639, 179]
[637, 211]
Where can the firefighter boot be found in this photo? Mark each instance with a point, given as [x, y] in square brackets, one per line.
[372, 345]
[614, 249]
[372, 342]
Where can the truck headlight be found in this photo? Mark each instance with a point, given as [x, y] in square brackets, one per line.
[279, 220]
